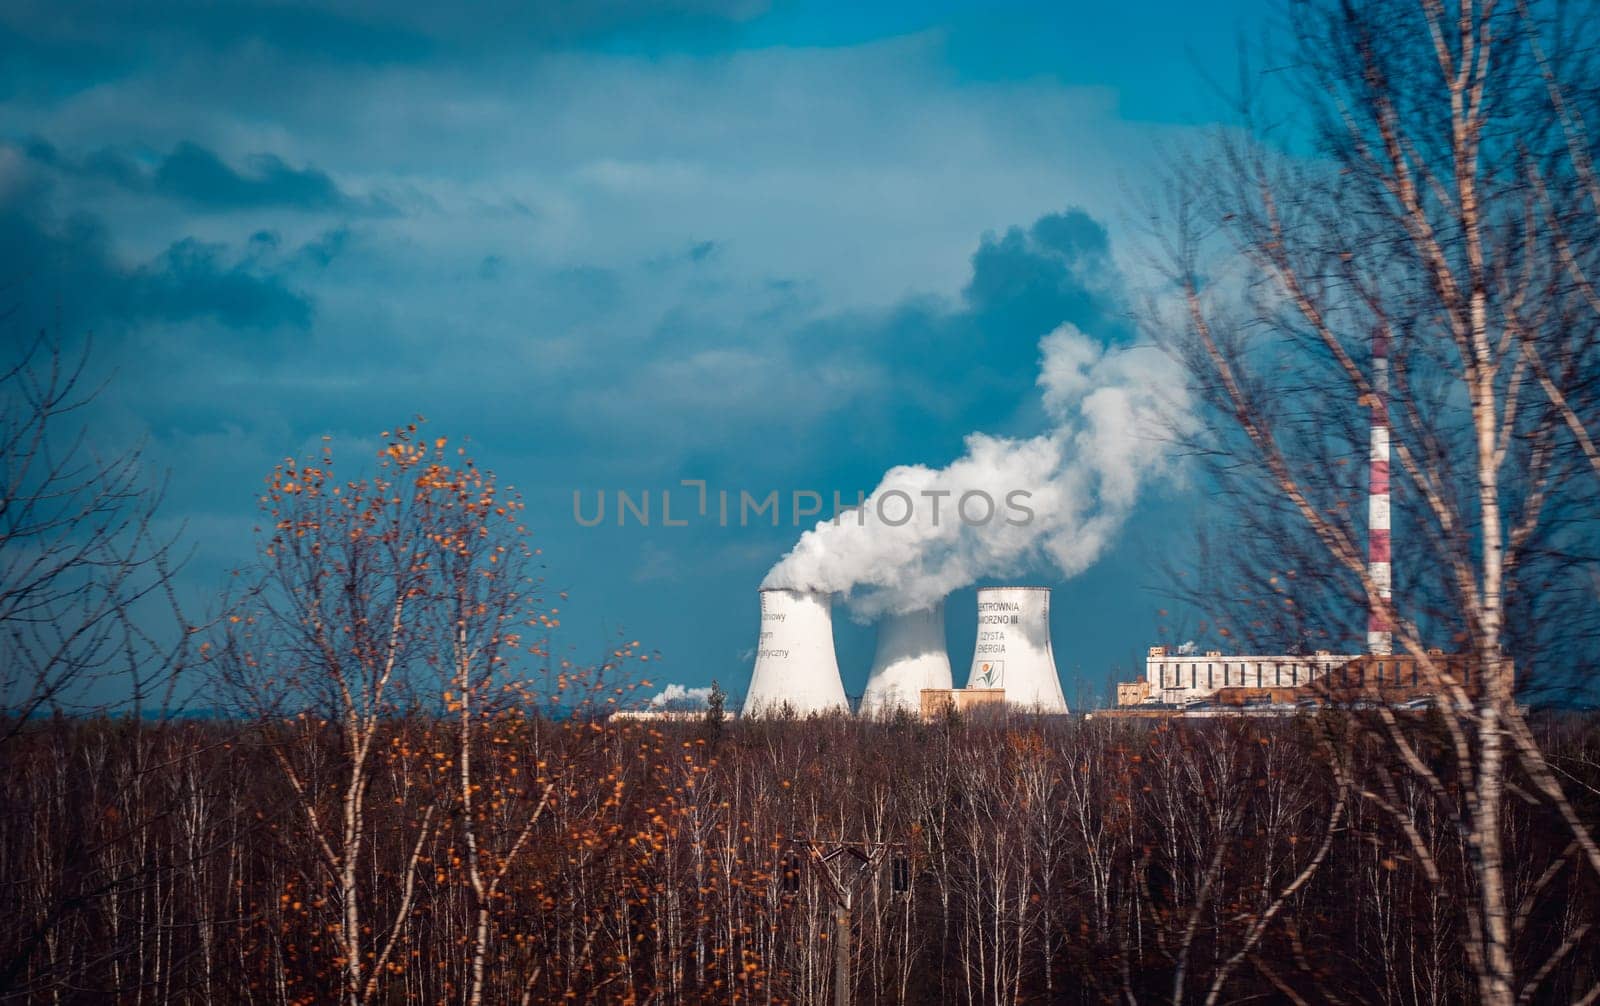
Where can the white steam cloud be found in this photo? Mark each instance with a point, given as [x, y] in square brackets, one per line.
[676, 696]
[1113, 409]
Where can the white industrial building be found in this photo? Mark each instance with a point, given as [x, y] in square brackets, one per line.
[911, 656]
[1177, 679]
[796, 670]
[1013, 649]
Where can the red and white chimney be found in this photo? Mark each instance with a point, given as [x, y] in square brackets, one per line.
[1380, 637]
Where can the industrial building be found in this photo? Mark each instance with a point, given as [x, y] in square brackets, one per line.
[1396, 681]
[911, 657]
[1214, 682]
[797, 671]
[1013, 662]
[1178, 679]
[1013, 649]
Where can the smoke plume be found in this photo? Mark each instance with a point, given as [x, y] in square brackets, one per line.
[1111, 409]
[676, 696]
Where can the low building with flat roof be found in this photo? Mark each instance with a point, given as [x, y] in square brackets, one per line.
[1177, 682]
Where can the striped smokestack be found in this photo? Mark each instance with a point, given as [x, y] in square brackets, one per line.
[1380, 639]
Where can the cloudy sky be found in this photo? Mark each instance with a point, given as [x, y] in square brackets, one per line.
[615, 244]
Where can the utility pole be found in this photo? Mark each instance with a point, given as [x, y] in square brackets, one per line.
[845, 865]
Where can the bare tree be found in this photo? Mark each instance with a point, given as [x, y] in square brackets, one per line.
[479, 589]
[325, 644]
[1410, 246]
[84, 573]
[89, 625]
[487, 618]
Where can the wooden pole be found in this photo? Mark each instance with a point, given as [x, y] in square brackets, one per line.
[841, 955]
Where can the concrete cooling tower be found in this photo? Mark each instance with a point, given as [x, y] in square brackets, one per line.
[795, 664]
[911, 657]
[1013, 650]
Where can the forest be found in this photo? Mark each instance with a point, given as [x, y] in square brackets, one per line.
[1027, 860]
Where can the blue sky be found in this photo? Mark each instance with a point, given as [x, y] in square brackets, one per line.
[616, 245]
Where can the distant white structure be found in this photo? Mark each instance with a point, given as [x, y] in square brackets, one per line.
[911, 656]
[659, 715]
[795, 662]
[1013, 649]
[1181, 678]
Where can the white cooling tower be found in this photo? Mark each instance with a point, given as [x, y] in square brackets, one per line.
[911, 657]
[795, 664]
[1013, 650]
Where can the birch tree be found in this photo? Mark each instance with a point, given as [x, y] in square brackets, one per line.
[321, 652]
[1406, 246]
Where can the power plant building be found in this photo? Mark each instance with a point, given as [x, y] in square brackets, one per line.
[1179, 679]
[911, 656]
[1280, 685]
[1013, 649]
[796, 670]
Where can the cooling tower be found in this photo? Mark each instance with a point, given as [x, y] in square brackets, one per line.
[794, 656]
[1013, 650]
[911, 657]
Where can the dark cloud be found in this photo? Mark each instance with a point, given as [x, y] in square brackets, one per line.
[66, 272]
[327, 247]
[113, 166]
[763, 392]
[43, 66]
[48, 47]
[199, 178]
[1035, 278]
[774, 395]
[972, 364]
[192, 279]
